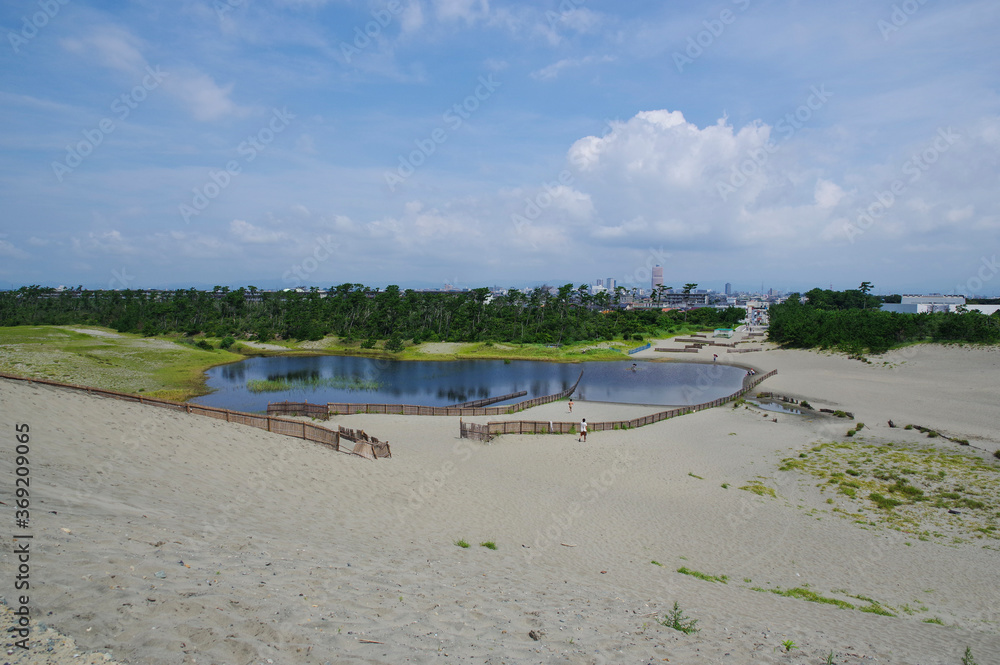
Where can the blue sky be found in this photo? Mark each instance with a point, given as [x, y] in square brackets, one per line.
[478, 142]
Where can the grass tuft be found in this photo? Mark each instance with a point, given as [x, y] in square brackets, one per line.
[703, 576]
[462, 542]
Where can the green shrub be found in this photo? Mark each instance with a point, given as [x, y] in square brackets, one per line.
[884, 502]
[205, 344]
[675, 619]
[226, 342]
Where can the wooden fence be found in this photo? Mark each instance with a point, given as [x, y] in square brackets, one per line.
[336, 408]
[489, 400]
[362, 442]
[294, 428]
[684, 350]
[743, 350]
[299, 409]
[474, 431]
[468, 430]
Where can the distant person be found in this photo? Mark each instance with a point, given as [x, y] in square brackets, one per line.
[571, 405]
[583, 431]
[633, 367]
[715, 357]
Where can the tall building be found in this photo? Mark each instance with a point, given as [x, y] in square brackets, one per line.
[610, 283]
[729, 289]
[657, 277]
[600, 282]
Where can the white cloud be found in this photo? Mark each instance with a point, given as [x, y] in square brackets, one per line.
[828, 194]
[204, 98]
[412, 19]
[248, 233]
[10, 251]
[112, 46]
[466, 10]
[118, 49]
[552, 71]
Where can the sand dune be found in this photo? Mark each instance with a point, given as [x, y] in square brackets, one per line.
[161, 537]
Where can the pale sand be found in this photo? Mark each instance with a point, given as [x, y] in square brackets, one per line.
[295, 553]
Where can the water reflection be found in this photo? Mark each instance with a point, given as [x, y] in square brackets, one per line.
[320, 379]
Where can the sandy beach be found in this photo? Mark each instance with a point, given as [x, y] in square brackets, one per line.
[161, 537]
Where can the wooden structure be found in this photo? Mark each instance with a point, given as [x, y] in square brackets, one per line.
[283, 426]
[467, 430]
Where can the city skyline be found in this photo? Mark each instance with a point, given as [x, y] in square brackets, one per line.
[423, 142]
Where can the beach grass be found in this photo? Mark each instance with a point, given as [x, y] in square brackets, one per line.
[936, 493]
[168, 367]
[703, 576]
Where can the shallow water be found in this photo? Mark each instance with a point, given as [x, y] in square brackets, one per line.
[440, 383]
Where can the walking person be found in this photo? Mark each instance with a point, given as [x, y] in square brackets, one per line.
[583, 431]
[571, 405]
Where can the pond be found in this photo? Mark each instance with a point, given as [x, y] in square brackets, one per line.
[250, 384]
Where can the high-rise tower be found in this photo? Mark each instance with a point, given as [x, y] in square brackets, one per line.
[657, 277]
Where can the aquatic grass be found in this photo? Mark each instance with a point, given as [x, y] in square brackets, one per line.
[352, 383]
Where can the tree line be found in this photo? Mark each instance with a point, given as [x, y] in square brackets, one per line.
[851, 321]
[355, 312]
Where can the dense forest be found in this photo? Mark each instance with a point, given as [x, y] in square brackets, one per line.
[357, 312]
[851, 321]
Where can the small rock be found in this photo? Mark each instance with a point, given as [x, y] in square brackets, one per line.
[535, 634]
[162, 575]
